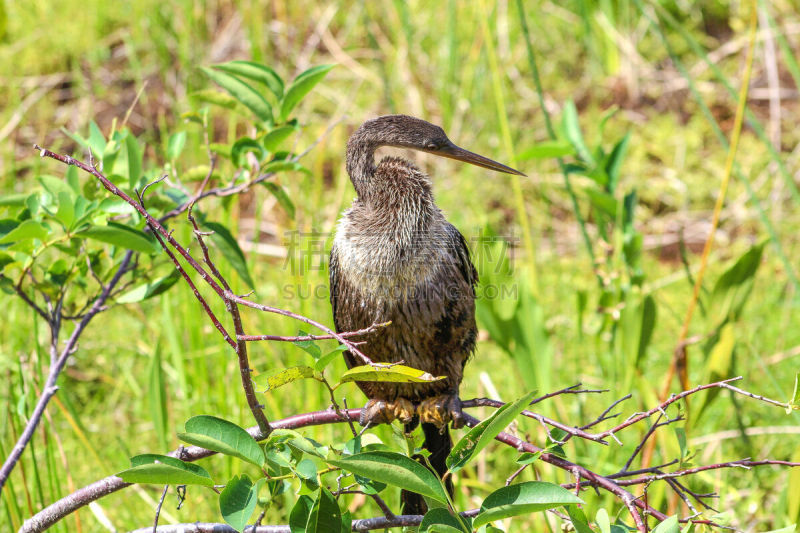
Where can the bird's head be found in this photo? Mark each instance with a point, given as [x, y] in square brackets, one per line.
[410, 132]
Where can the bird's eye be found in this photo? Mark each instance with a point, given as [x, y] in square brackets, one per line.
[432, 145]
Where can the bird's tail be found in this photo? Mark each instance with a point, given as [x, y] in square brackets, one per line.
[439, 444]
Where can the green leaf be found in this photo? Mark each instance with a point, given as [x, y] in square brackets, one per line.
[298, 442]
[65, 213]
[280, 194]
[300, 87]
[212, 96]
[602, 201]
[546, 150]
[96, 141]
[614, 162]
[242, 92]
[309, 346]
[13, 200]
[481, 435]
[572, 131]
[256, 72]
[325, 516]
[175, 145]
[58, 272]
[222, 436]
[280, 377]
[244, 145]
[733, 287]
[134, 155]
[55, 186]
[347, 523]
[670, 525]
[394, 373]
[521, 499]
[578, 519]
[602, 520]
[149, 290]
[307, 469]
[167, 471]
[238, 500]
[5, 260]
[272, 140]
[326, 359]
[394, 469]
[282, 165]
[439, 520]
[29, 229]
[649, 314]
[298, 518]
[122, 236]
[230, 249]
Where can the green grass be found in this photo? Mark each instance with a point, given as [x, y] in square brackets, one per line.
[447, 65]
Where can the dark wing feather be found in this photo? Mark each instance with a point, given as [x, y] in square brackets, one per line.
[333, 282]
[458, 247]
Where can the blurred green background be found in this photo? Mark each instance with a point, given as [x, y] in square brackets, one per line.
[663, 72]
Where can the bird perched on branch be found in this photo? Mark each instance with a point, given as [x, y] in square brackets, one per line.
[396, 258]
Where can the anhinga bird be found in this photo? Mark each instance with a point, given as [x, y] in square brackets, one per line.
[396, 258]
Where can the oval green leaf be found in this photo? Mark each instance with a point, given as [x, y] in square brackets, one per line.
[149, 290]
[122, 236]
[481, 435]
[298, 518]
[395, 373]
[521, 499]
[300, 87]
[175, 145]
[670, 525]
[238, 500]
[733, 287]
[164, 470]
[242, 92]
[222, 436]
[29, 229]
[326, 359]
[394, 469]
[325, 516]
[439, 520]
[272, 140]
[256, 72]
[244, 145]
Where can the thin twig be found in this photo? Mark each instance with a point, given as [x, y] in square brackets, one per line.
[269, 309]
[158, 508]
[301, 338]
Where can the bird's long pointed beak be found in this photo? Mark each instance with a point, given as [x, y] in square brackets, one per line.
[454, 152]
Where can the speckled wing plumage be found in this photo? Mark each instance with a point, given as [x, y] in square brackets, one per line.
[432, 311]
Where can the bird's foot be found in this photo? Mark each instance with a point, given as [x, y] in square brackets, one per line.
[441, 410]
[379, 411]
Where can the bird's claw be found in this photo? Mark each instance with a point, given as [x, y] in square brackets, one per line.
[379, 411]
[441, 410]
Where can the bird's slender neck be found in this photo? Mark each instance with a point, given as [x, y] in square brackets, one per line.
[360, 161]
